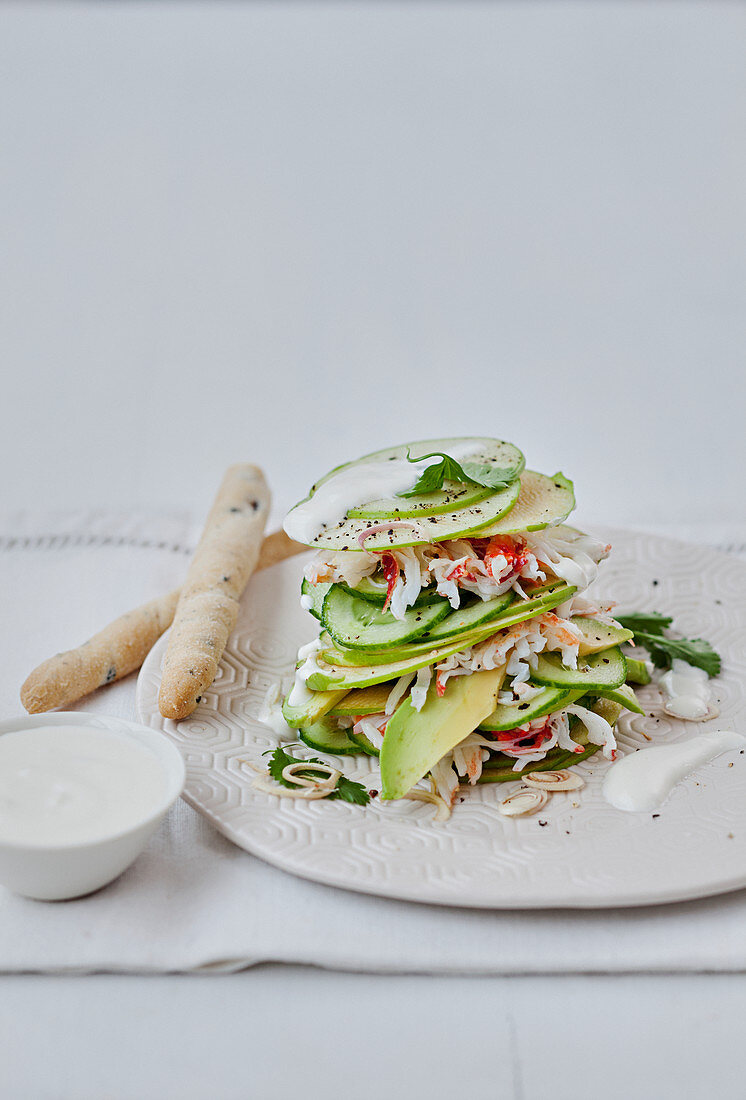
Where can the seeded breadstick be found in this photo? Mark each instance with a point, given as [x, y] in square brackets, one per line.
[208, 606]
[122, 646]
[114, 652]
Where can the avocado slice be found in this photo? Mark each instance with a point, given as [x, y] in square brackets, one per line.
[624, 695]
[416, 740]
[370, 700]
[637, 671]
[311, 706]
[598, 635]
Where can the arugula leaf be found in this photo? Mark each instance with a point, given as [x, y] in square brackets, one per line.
[448, 469]
[651, 621]
[695, 651]
[347, 789]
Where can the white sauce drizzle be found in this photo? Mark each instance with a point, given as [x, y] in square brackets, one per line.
[270, 713]
[72, 784]
[687, 690]
[643, 780]
[358, 484]
[299, 693]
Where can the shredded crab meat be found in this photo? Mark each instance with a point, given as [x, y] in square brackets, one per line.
[418, 694]
[398, 692]
[591, 609]
[547, 732]
[571, 555]
[372, 726]
[484, 567]
[517, 647]
[600, 732]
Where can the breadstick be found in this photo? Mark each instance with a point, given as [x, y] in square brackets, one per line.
[208, 605]
[114, 652]
[122, 646]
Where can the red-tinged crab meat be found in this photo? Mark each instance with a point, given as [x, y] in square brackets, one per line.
[458, 571]
[511, 549]
[523, 741]
[440, 683]
[390, 567]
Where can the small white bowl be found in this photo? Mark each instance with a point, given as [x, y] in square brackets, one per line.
[51, 873]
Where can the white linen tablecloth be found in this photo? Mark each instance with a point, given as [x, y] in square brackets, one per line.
[193, 901]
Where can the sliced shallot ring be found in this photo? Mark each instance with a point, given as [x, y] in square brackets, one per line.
[525, 801]
[443, 811]
[711, 712]
[288, 772]
[268, 785]
[554, 781]
[393, 525]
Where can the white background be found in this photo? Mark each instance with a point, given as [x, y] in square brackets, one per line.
[292, 233]
[289, 234]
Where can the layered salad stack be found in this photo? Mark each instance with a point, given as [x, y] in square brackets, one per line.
[456, 641]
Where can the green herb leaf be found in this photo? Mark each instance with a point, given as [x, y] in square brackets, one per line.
[491, 477]
[651, 621]
[448, 469]
[695, 651]
[346, 789]
[350, 791]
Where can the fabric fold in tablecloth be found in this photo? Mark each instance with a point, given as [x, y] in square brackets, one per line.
[193, 901]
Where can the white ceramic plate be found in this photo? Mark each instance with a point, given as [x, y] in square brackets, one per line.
[579, 852]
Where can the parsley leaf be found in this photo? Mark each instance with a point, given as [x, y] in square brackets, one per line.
[695, 651]
[347, 789]
[448, 469]
[650, 621]
[350, 791]
[648, 628]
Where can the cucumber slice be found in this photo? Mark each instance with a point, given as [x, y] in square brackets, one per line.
[326, 736]
[465, 619]
[510, 716]
[360, 624]
[624, 695]
[637, 671]
[375, 591]
[363, 744]
[514, 613]
[424, 529]
[606, 669]
[543, 501]
[499, 768]
[314, 705]
[504, 773]
[598, 636]
[371, 700]
[341, 677]
[333, 674]
[454, 495]
[316, 594]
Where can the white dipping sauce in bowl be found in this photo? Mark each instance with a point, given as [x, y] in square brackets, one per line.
[71, 784]
[79, 797]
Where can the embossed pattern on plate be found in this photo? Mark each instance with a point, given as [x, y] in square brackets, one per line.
[578, 852]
